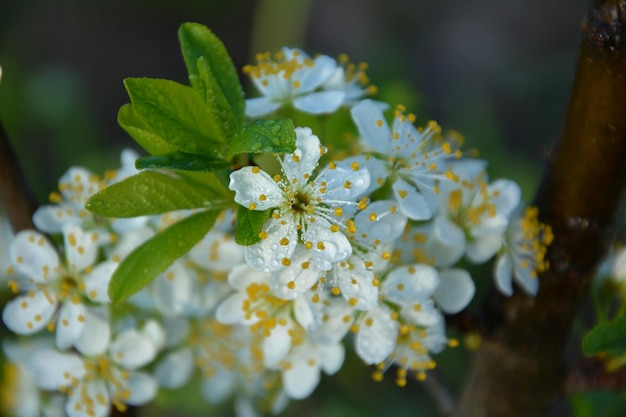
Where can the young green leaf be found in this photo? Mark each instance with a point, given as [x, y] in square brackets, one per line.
[272, 136]
[606, 337]
[182, 161]
[249, 224]
[208, 87]
[151, 192]
[197, 41]
[177, 114]
[158, 253]
[130, 121]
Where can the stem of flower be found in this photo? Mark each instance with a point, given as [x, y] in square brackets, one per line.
[520, 369]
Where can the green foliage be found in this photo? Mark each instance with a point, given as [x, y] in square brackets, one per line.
[182, 161]
[152, 192]
[272, 136]
[158, 253]
[598, 404]
[130, 121]
[249, 224]
[606, 337]
[212, 73]
[196, 131]
[177, 114]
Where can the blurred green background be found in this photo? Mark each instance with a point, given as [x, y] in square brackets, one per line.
[497, 71]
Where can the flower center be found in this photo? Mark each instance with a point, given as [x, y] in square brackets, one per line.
[301, 202]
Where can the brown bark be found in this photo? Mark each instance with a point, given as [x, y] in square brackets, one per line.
[520, 369]
[15, 196]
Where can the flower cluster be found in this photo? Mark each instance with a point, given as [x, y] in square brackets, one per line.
[368, 251]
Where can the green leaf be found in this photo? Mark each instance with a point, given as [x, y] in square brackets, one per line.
[272, 136]
[599, 403]
[208, 87]
[176, 113]
[606, 337]
[158, 253]
[249, 224]
[197, 41]
[152, 192]
[183, 161]
[130, 121]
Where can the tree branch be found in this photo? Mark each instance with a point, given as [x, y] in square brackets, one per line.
[520, 369]
[15, 194]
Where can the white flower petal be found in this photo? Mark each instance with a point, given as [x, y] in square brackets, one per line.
[218, 251]
[300, 164]
[230, 311]
[95, 336]
[355, 281]
[427, 315]
[155, 332]
[80, 250]
[483, 248]
[97, 281]
[327, 246]
[412, 202]
[242, 276]
[410, 284]
[175, 369]
[293, 280]
[172, 290]
[34, 256]
[376, 168]
[526, 280]
[219, 387]
[313, 76]
[255, 189]
[303, 313]
[244, 407]
[260, 106]
[320, 102]
[51, 218]
[26, 315]
[372, 126]
[98, 404]
[508, 195]
[381, 221]
[332, 358]
[503, 274]
[142, 388]
[455, 290]
[344, 184]
[340, 318]
[377, 335]
[276, 346]
[268, 254]
[301, 378]
[49, 368]
[446, 242]
[70, 324]
[131, 350]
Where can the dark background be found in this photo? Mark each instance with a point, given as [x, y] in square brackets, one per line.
[497, 71]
